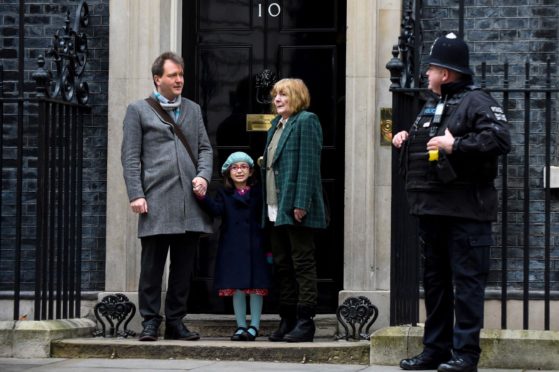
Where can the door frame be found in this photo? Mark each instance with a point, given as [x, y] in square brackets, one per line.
[372, 28]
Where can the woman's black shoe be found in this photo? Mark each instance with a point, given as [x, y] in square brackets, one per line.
[288, 316]
[239, 336]
[304, 328]
[286, 325]
[303, 331]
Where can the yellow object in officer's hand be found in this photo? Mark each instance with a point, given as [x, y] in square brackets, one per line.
[433, 155]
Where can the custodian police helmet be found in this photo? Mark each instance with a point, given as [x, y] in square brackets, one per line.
[450, 52]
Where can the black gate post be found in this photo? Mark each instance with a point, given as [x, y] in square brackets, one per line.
[62, 99]
[405, 256]
[404, 269]
[41, 80]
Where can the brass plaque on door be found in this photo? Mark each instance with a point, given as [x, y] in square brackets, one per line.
[259, 122]
[386, 126]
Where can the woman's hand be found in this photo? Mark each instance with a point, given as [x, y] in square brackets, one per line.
[299, 214]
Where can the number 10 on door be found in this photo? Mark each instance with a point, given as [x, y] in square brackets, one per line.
[274, 10]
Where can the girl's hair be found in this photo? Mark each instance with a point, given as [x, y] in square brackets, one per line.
[296, 90]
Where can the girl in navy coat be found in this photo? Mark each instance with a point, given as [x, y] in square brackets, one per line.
[241, 265]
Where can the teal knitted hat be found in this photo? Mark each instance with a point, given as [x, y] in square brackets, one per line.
[236, 157]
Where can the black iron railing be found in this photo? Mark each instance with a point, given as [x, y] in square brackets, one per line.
[41, 149]
[538, 104]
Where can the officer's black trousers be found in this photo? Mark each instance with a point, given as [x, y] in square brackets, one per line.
[456, 254]
[182, 249]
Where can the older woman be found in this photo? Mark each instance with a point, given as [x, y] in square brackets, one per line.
[294, 205]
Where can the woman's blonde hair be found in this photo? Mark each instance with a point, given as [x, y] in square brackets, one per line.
[296, 90]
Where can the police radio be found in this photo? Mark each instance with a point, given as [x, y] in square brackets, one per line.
[445, 172]
[437, 118]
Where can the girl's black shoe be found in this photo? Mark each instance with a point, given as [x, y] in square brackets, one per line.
[239, 336]
[250, 336]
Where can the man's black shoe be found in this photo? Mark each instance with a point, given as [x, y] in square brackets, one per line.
[422, 362]
[149, 333]
[177, 331]
[457, 364]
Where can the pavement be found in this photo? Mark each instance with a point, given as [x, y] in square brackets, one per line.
[504, 350]
[145, 365]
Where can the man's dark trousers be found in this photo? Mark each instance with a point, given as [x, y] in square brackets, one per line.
[455, 250]
[182, 249]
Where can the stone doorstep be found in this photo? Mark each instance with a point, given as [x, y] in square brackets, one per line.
[319, 351]
[71, 339]
[32, 339]
[209, 325]
[214, 325]
[215, 331]
[515, 349]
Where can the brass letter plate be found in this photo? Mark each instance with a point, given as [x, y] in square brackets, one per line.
[259, 122]
[386, 126]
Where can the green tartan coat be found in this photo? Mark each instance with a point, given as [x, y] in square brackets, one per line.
[296, 165]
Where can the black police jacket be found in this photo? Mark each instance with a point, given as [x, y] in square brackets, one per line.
[460, 184]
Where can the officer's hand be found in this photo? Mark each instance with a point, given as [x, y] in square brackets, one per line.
[441, 142]
[399, 139]
[139, 205]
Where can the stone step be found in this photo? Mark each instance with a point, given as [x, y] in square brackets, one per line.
[319, 351]
[215, 331]
[210, 325]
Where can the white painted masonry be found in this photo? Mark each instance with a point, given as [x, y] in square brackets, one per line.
[141, 29]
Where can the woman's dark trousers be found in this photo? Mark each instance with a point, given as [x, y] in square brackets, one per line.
[295, 265]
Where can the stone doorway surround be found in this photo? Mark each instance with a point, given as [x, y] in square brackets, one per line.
[142, 29]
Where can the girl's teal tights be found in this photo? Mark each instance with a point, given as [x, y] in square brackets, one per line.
[240, 308]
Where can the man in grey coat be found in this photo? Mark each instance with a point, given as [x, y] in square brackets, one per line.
[160, 172]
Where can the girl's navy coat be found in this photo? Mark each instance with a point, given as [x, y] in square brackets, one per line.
[241, 256]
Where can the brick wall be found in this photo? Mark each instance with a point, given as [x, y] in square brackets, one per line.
[42, 19]
[496, 30]
[516, 31]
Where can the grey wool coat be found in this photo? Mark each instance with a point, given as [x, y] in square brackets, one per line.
[157, 167]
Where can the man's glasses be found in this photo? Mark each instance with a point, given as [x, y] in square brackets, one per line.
[243, 167]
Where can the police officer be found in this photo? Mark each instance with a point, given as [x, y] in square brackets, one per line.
[449, 158]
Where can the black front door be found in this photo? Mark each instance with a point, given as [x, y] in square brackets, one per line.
[227, 44]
